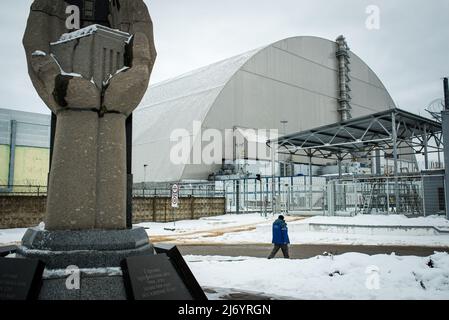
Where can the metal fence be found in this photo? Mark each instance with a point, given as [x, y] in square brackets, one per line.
[412, 196]
[208, 190]
[23, 190]
[203, 190]
[291, 194]
[409, 195]
[376, 196]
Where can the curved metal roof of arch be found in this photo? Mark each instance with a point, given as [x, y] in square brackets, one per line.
[179, 102]
[190, 96]
[176, 96]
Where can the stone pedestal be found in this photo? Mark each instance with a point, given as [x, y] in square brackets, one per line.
[96, 253]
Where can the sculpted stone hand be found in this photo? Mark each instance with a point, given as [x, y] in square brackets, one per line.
[63, 91]
[87, 184]
[67, 91]
[46, 70]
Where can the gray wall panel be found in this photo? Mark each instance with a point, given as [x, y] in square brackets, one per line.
[33, 130]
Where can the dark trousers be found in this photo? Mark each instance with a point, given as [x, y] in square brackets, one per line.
[277, 247]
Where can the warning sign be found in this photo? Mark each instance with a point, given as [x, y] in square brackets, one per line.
[175, 196]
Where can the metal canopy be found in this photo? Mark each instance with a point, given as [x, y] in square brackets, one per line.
[392, 129]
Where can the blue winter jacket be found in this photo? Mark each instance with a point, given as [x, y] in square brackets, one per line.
[280, 233]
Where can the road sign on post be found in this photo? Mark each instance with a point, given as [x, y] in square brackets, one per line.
[175, 196]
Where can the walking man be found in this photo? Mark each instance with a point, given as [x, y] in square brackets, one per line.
[280, 238]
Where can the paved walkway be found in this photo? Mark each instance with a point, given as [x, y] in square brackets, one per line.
[304, 251]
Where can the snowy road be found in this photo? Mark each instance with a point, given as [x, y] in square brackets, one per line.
[253, 229]
[305, 251]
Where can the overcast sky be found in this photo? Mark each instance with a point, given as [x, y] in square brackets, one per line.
[409, 53]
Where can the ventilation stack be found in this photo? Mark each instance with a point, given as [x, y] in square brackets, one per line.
[446, 94]
[344, 79]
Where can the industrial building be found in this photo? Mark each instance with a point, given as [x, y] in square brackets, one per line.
[291, 85]
[24, 149]
[328, 137]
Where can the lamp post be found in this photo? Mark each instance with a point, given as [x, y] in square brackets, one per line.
[284, 133]
[144, 178]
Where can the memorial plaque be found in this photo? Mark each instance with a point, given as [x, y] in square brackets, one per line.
[153, 277]
[183, 270]
[5, 251]
[20, 279]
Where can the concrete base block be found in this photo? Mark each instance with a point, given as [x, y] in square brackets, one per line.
[94, 285]
[84, 249]
[97, 255]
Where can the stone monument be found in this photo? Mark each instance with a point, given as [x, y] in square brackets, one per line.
[92, 79]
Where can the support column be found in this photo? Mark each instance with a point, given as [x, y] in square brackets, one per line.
[266, 196]
[273, 182]
[310, 182]
[245, 194]
[446, 94]
[378, 163]
[130, 183]
[395, 156]
[339, 167]
[426, 153]
[279, 189]
[237, 194]
[445, 124]
[261, 196]
[12, 154]
[310, 170]
[225, 195]
[331, 198]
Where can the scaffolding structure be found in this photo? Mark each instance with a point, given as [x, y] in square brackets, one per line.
[396, 132]
[377, 195]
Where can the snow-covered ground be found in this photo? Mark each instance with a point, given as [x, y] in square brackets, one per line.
[8, 236]
[382, 220]
[263, 236]
[255, 229]
[169, 229]
[300, 233]
[203, 224]
[350, 276]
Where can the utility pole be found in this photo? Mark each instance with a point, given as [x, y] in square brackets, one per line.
[284, 133]
[273, 175]
[445, 124]
[144, 178]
